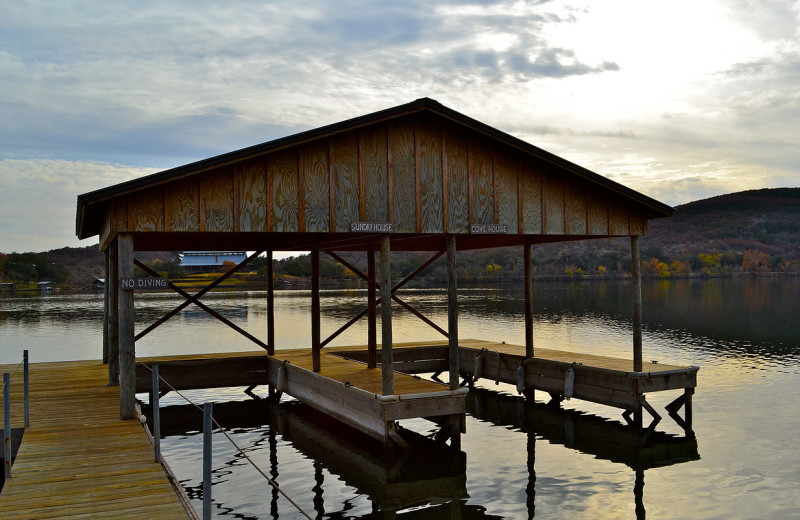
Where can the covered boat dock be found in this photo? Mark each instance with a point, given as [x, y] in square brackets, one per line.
[416, 177]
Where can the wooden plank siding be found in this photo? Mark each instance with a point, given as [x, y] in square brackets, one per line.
[423, 174]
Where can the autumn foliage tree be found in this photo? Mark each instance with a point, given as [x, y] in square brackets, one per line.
[755, 261]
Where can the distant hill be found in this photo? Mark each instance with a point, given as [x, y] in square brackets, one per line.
[715, 233]
[767, 220]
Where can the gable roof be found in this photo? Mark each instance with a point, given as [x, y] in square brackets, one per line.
[90, 206]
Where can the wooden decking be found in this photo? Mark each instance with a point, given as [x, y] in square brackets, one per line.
[78, 460]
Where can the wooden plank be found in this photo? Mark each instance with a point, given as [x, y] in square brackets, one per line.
[481, 173]
[315, 309]
[184, 206]
[282, 169]
[431, 203]
[78, 460]
[147, 210]
[345, 180]
[375, 160]
[403, 176]
[457, 153]
[316, 194]
[251, 195]
[553, 201]
[506, 194]
[531, 202]
[576, 210]
[598, 215]
[618, 221]
[216, 193]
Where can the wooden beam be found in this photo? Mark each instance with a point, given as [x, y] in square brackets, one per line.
[315, 309]
[106, 339]
[372, 327]
[636, 275]
[528, 301]
[113, 314]
[270, 306]
[421, 316]
[452, 310]
[386, 318]
[127, 349]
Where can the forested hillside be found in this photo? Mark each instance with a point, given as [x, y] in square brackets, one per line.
[755, 231]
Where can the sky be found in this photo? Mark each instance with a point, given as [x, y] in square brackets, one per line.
[679, 100]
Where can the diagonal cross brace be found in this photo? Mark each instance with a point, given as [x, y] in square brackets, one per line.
[195, 299]
[397, 286]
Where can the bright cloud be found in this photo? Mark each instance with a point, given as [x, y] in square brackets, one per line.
[680, 100]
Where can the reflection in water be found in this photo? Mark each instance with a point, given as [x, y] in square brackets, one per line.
[430, 481]
[431, 476]
[588, 434]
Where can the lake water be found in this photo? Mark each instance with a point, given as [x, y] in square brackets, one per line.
[518, 459]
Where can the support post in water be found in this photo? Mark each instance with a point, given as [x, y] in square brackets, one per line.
[156, 417]
[207, 429]
[636, 276]
[27, 388]
[452, 311]
[387, 363]
[127, 342]
[7, 424]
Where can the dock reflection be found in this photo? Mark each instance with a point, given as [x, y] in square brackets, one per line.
[604, 439]
[427, 482]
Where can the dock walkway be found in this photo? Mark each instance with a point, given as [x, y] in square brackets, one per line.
[78, 460]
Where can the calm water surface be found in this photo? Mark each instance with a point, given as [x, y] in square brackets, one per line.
[518, 460]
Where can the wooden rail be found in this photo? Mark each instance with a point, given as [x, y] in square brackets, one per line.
[77, 458]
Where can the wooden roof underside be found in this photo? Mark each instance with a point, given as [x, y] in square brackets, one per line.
[425, 168]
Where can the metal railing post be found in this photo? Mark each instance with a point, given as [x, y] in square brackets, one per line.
[207, 427]
[7, 424]
[156, 417]
[27, 389]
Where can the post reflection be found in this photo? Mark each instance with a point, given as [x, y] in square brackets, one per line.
[637, 448]
[427, 482]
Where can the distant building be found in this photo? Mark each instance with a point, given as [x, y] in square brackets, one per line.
[46, 286]
[99, 284]
[209, 261]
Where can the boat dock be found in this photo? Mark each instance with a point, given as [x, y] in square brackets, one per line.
[77, 459]
[348, 390]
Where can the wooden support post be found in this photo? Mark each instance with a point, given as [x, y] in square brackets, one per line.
[112, 281]
[208, 427]
[127, 348]
[106, 339]
[528, 302]
[315, 310]
[452, 311]
[7, 424]
[156, 415]
[26, 388]
[270, 306]
[386, 318]
[372, 327]
[636, 274]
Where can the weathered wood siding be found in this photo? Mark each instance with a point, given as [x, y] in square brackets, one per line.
[424, 174]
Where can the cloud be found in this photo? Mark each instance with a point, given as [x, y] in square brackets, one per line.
[90, 88]
[38, 199]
